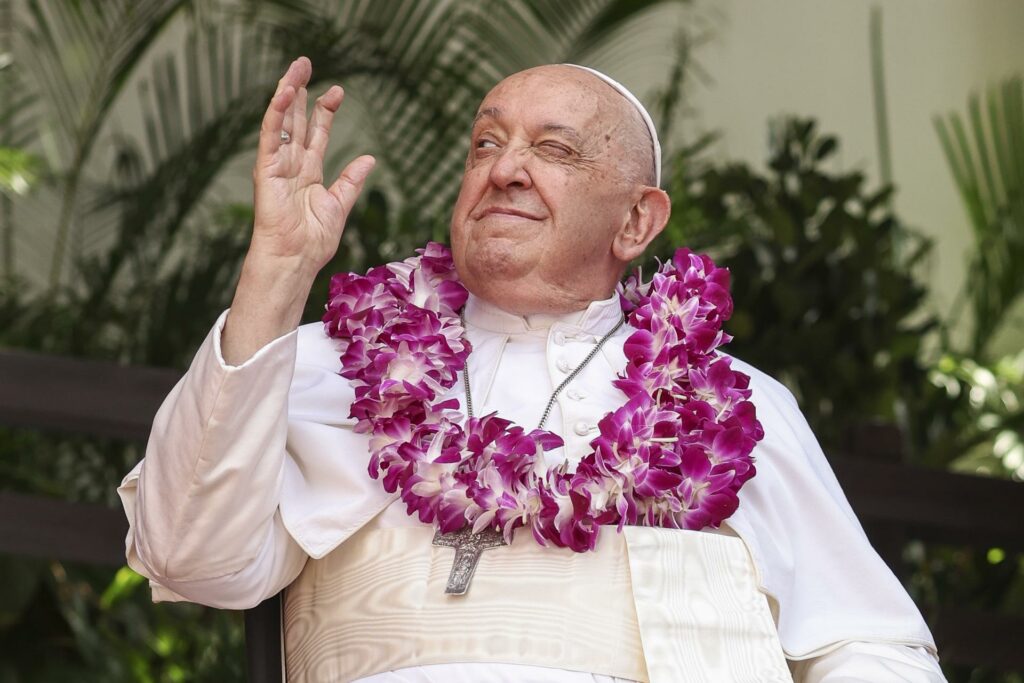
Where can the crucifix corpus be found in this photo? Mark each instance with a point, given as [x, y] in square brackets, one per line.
[468, 548]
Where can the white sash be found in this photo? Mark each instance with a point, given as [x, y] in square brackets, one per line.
[652, 605]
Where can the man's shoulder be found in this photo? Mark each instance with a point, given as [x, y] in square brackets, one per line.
[777, 409]
[764, 386]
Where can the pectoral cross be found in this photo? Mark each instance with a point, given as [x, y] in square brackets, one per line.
[468, 548]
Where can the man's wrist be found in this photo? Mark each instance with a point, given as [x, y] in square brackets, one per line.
[268, 304]
[284, 278]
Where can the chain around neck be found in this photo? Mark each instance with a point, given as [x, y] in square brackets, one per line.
[554, 395]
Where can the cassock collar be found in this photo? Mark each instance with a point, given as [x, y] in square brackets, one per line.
[597, 319]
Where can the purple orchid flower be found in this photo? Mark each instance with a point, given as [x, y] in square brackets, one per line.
[675, 454]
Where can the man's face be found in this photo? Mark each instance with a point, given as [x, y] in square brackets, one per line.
[543, 194]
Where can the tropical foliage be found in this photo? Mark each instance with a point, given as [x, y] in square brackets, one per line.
[822, 290]
[984, 374]
[986, 156]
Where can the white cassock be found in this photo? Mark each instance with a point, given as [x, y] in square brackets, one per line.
[253, 470]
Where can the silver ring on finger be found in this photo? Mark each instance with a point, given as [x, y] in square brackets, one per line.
[285, 137]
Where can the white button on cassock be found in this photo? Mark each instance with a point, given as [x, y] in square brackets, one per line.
[582, 428]
[576, 394]
[560, 338]
[562, 365]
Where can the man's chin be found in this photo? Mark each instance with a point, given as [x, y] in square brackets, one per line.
[492, 270]
[499, 268]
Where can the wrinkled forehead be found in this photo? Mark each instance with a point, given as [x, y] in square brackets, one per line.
[551, 95]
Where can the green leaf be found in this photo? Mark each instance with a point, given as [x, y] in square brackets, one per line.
[124, 584]
[19, 170]
[826, 148]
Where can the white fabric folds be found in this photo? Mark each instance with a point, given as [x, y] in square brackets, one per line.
[646, 605]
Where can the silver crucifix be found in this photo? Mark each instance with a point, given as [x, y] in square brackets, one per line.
[468, 548]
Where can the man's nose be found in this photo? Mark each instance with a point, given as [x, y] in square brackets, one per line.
[509, 169]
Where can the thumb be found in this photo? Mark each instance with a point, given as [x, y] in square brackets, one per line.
[349, 184]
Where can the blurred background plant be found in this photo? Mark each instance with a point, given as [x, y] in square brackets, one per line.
[126, 247]
[984, 373]
[814, 253]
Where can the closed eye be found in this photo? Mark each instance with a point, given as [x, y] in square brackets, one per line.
[556, 149]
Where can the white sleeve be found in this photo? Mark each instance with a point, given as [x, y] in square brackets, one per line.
[861, 662]
[203, 504]
[813, 558]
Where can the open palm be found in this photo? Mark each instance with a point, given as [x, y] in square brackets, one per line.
[296, 215]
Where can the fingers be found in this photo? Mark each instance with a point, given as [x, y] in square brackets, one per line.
[298, 73]
[297, 76]
[350, 183]
[298, 127]
[323, 115]
[273, 119]
[280, 112]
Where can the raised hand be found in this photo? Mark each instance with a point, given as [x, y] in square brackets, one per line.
[298, 221]
[296, 215]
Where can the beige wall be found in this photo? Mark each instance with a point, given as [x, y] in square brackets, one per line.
[811, 57]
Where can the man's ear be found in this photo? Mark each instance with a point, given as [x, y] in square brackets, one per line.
[646, 220]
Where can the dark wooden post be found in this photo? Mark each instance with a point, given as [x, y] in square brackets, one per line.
[263, 641]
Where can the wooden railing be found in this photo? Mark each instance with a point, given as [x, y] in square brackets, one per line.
[895, 502]
[102, 399]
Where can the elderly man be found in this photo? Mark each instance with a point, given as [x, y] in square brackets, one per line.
[262, 470]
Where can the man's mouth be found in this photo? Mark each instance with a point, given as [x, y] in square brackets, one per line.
[508, 212]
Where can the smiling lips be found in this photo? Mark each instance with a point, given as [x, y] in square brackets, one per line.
[507, 212]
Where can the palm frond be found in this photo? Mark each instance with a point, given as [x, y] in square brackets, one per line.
[19, 169]
[196, 119]
[81, 56]
[18, 106]
[986, 158]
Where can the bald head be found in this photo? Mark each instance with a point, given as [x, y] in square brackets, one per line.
[651, 133]
[624, 126]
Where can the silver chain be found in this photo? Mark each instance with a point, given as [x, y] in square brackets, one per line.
[572, 375]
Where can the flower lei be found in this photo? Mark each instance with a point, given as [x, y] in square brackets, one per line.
[674, 455]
